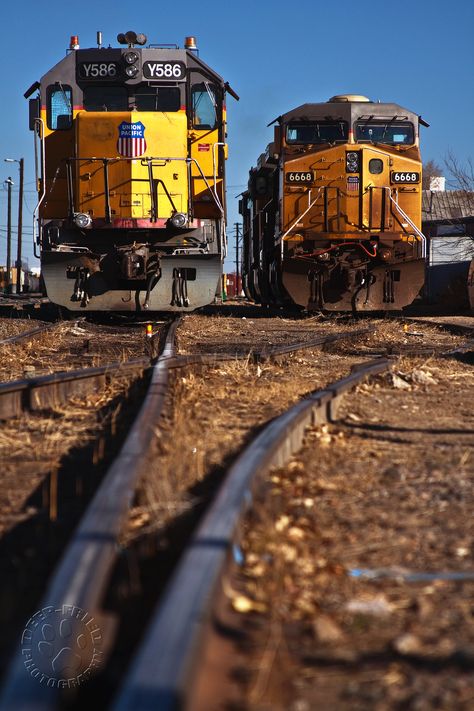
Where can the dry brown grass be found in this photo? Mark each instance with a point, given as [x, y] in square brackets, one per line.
[35, 445]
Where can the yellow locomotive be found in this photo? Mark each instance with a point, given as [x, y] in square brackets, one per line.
[131, 148]
[332, 214]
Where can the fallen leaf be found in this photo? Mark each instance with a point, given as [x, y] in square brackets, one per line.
[244, 605]
[327, 630]
[295, 533]
[399, 383]
[295, 465]
[407, 644]
[282, 523]
[377, 606]
[422, 377]
[289, 553]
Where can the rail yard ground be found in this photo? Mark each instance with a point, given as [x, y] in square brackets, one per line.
[326, 605]
[51, 461]
[359, 557]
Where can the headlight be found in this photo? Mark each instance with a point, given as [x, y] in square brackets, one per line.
[352, 162]
[131, 71]
[82, 220]
[130, 57]
[178, 219]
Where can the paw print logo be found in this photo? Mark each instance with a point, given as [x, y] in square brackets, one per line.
[62, 648]
[61, 645]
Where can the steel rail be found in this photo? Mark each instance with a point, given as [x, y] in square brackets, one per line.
[81, 578]
[466, 346]
[18, 301]
[454, 326]
[181, 361]
[39, 393]
[162, 672]
[28, 334]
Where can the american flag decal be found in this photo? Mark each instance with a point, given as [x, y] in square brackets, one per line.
[131, 141]
[352, 183]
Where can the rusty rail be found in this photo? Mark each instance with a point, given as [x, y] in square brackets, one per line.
[30, 394]
[268, 353]
[83, 573]
[28, 334]
[163, 670]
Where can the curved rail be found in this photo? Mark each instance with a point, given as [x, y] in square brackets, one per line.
[81, 578]
[29, 394]
[163, 670]
[28, 334]
[267, 353]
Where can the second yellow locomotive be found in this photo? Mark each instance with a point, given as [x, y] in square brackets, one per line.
[332, 214]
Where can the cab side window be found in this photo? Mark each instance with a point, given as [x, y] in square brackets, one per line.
[204, 106]
[59, 107]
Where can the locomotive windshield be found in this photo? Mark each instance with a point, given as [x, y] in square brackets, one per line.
[153, 98]
[105, 98]
[387, 132]
[317, 132]
[142, 98]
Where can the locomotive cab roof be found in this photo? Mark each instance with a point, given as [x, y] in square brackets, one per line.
[70, 68]
[350, 108]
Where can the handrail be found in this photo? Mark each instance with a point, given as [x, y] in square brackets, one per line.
[302, 214]
[39, 123]
[216, 200]
[402, 212]
[148, 161]
[222, 235]
[214, 167]
[214, 173]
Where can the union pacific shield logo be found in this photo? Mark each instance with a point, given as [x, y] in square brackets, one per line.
[131, 141]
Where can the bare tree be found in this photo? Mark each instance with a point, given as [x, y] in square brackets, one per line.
[462, 174]
[430, 170]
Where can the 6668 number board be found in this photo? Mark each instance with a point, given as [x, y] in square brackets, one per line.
[404, 176]
[298, 177]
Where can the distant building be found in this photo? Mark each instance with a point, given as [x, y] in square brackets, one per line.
[29, 280]
[232, 285]
[448, 223]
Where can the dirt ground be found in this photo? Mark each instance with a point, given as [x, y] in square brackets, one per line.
[67, 346]
[15, 326]
[359, 560]
[216, 411]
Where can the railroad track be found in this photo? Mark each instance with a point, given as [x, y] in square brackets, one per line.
[27, 335]
[82, 576]
[164, 667]
[84, 573]
[47, 391]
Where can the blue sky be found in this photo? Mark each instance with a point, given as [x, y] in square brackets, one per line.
[276, 55]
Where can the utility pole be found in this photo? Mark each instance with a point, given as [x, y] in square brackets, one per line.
[21, 164]
[237, 260]
[20, 228]
[9, 183]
